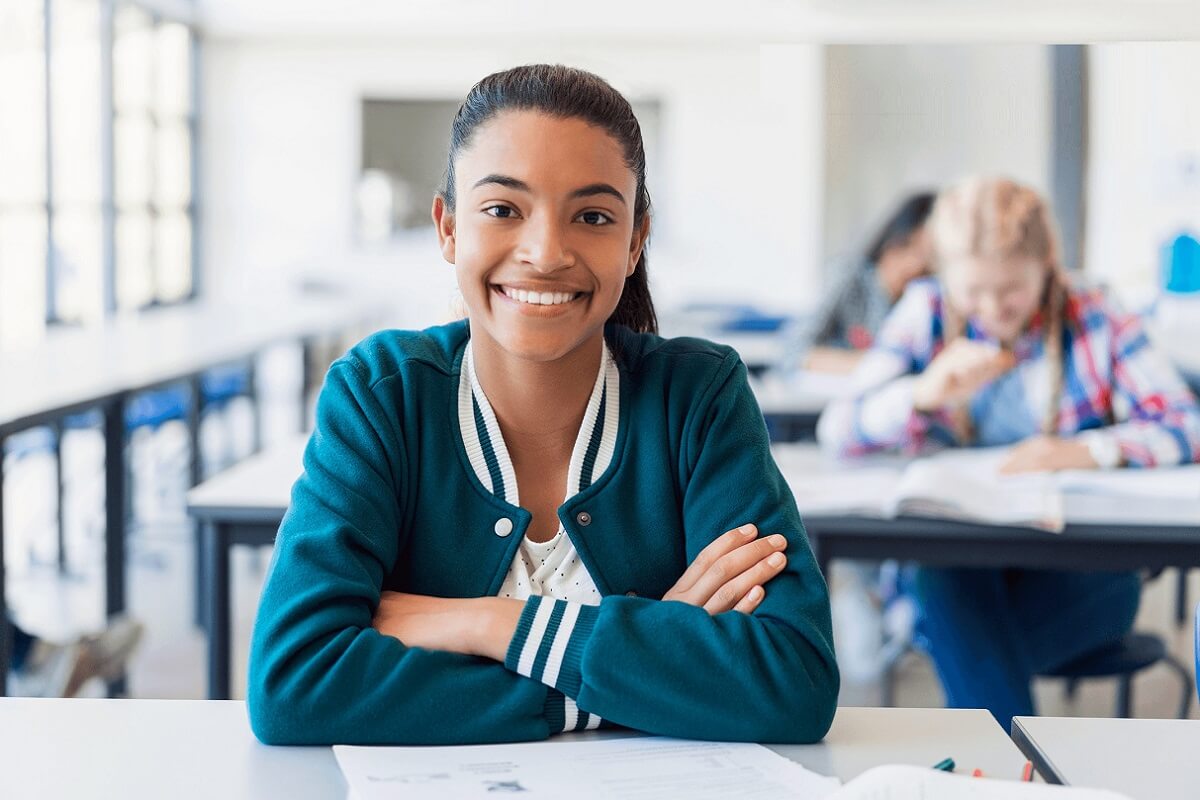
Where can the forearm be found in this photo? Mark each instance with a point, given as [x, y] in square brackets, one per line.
[670, 668]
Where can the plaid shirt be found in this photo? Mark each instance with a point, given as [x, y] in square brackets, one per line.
[1115, 384]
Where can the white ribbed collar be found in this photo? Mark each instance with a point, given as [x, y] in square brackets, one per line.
[488, 453]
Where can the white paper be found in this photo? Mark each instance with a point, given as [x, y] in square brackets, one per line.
[967, 484]
[894, 782]
[1166, 483]
[638, 768]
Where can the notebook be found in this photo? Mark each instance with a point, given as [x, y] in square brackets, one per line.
[895, 782]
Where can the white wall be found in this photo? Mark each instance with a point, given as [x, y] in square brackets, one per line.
[903, 117]
[737, 189]
[1144, 157]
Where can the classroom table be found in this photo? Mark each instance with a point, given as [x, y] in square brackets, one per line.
[245, 504]
[791, 403]
[1102, 532]
[135, 749]
[1146, 759]
[79, 369]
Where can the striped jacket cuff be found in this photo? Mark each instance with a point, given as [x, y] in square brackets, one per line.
[548, 643]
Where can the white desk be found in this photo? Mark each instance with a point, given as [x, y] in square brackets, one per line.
[1102, 532]
[1147, 759]
[150, 749]
[78, 369]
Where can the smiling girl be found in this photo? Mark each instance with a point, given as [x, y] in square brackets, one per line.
[545, 517]
[1002, 349]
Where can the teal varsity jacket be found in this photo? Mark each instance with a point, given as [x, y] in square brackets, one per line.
[388, 501]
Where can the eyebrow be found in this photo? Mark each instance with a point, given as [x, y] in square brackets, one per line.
[591, 190]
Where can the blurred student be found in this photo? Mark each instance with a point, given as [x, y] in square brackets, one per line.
[42, 668]
[1002, 349]
[545, 517]
[851, 313]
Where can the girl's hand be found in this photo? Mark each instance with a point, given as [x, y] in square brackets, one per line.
[958, 372]
[730, 573]
[476, 626]
[1047, 453]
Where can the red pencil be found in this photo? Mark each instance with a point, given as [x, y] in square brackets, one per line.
[1027, 773]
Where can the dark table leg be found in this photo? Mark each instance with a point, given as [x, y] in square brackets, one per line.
[216, 550]
[194, 415]
[5, 628]
[114, 530]
[1181, 598]
[58, 474]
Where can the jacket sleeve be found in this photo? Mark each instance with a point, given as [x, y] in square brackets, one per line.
[670, 668]
[319, 673]
[1157, 420]
[878, 414]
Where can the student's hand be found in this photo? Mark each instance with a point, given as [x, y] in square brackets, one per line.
[478, 626]
[958, 372]
[1048, 453]
[730, 573]
[834, 360]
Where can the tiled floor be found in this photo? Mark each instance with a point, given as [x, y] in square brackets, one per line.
[171, 662]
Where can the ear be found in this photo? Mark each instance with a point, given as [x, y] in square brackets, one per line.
[443, 222]
[637, 243]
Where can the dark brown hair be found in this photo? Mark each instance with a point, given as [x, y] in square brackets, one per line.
[566, 93]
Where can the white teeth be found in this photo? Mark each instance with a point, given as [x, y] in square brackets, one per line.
[538, 298]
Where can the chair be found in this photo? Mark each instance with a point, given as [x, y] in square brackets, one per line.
[1123, 660]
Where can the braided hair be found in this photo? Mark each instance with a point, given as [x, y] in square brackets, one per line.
[1000, 219]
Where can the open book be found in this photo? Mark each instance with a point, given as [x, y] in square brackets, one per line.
[896, 782]
[964, 484]
[954, 484]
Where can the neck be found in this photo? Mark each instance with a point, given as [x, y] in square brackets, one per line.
[538, 405]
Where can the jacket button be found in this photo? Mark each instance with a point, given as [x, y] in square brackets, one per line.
[583, 518]
[503, 527]
[631, 593]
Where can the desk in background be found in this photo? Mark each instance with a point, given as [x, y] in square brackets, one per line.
[76, 370]
[135, 749]
[1103, 532]
[1146, 759]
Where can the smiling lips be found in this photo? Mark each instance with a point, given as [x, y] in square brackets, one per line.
[539, 298]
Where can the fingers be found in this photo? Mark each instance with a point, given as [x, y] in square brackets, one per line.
[722, 545]
[751, 600]
[734, 592]
[730, 566]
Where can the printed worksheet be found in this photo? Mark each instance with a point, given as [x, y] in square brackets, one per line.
[637, 768]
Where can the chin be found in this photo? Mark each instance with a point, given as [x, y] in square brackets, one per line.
[538, 348]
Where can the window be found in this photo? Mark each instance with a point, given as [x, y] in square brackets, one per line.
[97, 116]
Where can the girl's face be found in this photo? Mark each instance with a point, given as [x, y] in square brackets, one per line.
[1000, 295]
[542, 238]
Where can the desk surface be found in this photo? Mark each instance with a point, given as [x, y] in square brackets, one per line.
[74, 367]
[137, 749]
[259, 487]
[1146, 759]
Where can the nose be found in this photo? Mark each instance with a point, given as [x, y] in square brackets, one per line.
[989, 307]
[543, 245]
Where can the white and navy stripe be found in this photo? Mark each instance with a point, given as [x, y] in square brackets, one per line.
[548, 646]
[559, 593]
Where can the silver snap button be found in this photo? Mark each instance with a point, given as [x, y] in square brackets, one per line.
[583, 518]
[631, 593]
[503, 527]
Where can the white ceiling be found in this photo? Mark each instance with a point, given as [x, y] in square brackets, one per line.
[504, 21]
